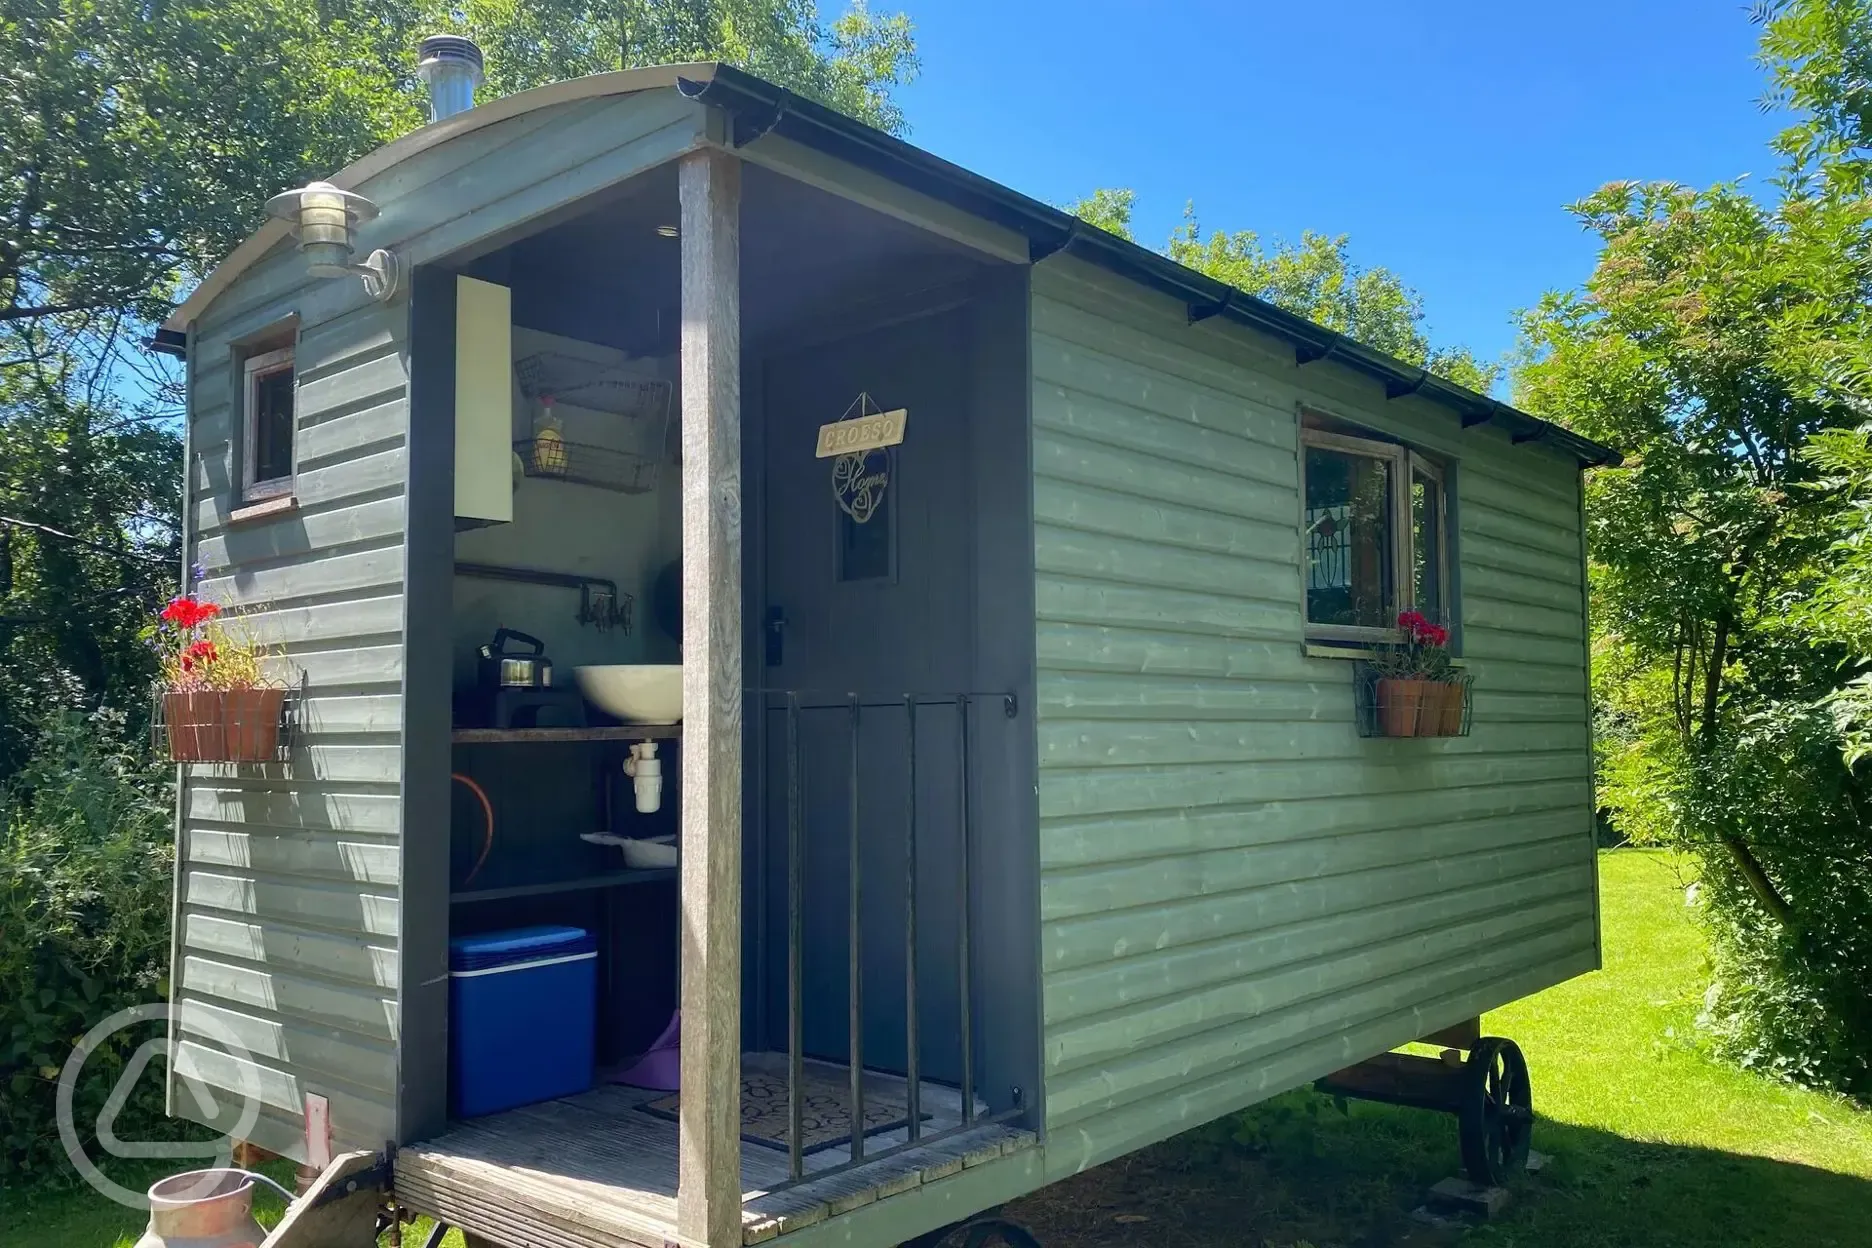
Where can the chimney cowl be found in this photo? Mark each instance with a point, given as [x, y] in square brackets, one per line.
[452, 66]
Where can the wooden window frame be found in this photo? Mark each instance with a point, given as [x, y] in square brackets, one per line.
[1434, 472]
[1406, 466]
[254, 369]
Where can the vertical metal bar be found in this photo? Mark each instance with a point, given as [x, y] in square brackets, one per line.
[756, 703]
[912, 1073]
[857, 954]
[962, 936]
[796, 941]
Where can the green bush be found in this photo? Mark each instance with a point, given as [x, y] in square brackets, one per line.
[1792, 999]
[85, 854]
[1791, 996]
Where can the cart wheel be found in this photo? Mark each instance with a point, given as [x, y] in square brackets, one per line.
[991, 1232]
[1496, 1116]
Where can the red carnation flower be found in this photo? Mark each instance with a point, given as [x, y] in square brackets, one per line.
[187, 613]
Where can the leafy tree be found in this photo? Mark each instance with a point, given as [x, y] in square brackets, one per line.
[138, 142]
[1708, 345]
[1675, 352]
[1818, 54]
[89, 495]
[1110, 210]
[1316, 278]
[851, 64]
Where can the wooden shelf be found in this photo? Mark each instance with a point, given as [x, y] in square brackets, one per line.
[522, 736]
[609, 879]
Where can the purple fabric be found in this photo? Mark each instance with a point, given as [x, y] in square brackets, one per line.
[660, 1068]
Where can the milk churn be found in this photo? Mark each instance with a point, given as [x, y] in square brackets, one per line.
[203, 1209]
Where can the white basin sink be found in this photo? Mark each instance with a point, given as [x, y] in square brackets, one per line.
[637, 693]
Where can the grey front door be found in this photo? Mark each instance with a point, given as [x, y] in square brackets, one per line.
[869, 613]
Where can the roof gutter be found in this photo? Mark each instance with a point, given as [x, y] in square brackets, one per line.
[166, 341]
[757, 108]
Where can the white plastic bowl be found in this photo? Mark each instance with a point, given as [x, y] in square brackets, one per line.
[637, 693]
[657, 851]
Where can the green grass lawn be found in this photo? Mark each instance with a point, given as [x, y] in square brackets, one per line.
[1653, 1144]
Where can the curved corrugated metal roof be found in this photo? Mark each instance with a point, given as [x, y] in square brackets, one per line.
[760, 107]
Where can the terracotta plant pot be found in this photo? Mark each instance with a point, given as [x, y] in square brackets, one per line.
[253, 724]
[1408, 708]
[1453, 695]
[197, 725]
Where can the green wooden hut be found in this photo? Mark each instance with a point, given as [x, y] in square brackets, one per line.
[1033, 788]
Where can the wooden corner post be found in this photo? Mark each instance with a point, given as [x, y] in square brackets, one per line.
[708, 1199]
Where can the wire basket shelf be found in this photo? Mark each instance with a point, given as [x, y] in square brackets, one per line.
[605, 467]
[227, 725]
[1390, 707]
[593, 386]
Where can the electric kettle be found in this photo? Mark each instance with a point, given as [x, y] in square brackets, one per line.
[504, 665]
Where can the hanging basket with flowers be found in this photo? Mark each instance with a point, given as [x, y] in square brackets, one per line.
[215, 703]
[1412, 688]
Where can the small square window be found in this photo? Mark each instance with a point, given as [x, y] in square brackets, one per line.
[267, 425]
[1374, 539]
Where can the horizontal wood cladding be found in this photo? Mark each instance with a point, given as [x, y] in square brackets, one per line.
[1352, 990]
[1239, 892]
[363, 1010]
[335, 905]
[354, 957]
[290, 874]
[1243, 996]
[1185, 969]
[1287, 1057]
[1102, 837]
[355, 1112]
[336, 1054]
[283, 852]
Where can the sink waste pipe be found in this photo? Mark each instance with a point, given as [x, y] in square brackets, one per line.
[646, 770]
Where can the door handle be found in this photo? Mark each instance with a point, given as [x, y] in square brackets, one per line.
[776, 636]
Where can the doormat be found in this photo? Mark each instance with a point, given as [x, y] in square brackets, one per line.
[825, 1111]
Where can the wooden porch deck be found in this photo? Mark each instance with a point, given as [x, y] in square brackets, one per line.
[594, 1170]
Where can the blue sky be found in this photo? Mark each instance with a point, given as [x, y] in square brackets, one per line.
[1444, 136]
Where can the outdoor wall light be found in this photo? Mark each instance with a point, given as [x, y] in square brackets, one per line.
[322, 218]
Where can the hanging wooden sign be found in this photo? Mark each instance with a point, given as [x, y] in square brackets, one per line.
[851, 436]
[858, 445]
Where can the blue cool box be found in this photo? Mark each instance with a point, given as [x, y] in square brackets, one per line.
[522, 1014]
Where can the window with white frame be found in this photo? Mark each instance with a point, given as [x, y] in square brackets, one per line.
[1374, 540]
[267, 425]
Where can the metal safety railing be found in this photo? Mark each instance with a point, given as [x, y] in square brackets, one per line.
[796, 705]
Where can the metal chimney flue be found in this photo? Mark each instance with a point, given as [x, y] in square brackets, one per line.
[451, 65]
